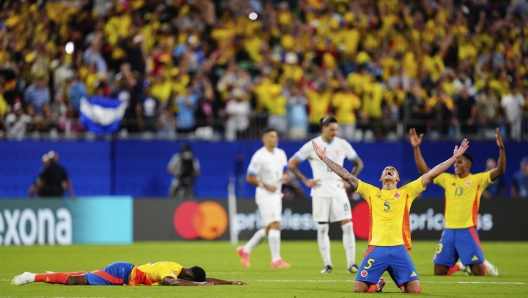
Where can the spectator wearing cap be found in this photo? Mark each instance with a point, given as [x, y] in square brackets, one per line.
[17, 122]
[148, 110]
[519, 187]
[54, 179]
[237, 111]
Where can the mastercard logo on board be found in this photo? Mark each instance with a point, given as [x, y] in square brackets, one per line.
[206, 220]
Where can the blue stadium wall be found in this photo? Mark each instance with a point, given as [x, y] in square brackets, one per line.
[137, 168]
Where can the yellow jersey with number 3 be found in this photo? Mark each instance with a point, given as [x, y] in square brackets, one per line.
[462, 198]
[151, 274]
[389, 212]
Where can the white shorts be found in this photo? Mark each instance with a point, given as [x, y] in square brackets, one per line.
[270, 210]
[331, 209]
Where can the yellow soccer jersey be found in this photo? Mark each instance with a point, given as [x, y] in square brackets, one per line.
[151, 274]
[462, 198]
[389, 212]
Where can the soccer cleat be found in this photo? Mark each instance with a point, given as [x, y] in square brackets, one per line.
[327, 269]
[381, 284]
[468, 270]
[492, 270]
[280, 264]
[244, 256]
[23, 279]
[353, 269]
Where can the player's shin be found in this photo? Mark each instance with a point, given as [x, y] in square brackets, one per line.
[274, 244]
[52, 278]
[349, 242]
[324, 243]
[255, 240]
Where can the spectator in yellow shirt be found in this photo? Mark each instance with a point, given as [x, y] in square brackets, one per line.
[346, 103]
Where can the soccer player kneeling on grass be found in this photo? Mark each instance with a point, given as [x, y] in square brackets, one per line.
[122, 273]
[390, 237]
[462, 200]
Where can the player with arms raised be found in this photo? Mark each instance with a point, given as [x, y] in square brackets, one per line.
[329, 198]
[267, 171]
[390, 234]
[462, 200]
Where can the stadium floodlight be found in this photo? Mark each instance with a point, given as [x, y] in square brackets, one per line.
[69, 47]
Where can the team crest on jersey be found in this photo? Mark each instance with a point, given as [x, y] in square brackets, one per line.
[468, 183]
[397, 195]
[364, 273]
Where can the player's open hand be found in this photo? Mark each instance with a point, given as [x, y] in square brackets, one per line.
[311, 183]
[414, 138]
[321, 153]
[460, 150]
[498, 138]
[238, 282]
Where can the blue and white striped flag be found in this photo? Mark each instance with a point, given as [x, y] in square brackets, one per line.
[102, 115]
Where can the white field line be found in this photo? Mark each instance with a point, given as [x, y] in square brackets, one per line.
[421, 281]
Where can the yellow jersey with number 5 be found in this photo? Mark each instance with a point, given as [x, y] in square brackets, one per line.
[389, 212]
[462, 198]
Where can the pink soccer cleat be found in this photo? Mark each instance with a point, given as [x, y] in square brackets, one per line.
[280, 264]
[381, 285]
[244, 256]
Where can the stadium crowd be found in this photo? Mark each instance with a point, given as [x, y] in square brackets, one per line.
[204, 68]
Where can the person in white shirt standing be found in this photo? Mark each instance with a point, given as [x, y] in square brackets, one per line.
[267, 171]
[329, 198]
[512, 105]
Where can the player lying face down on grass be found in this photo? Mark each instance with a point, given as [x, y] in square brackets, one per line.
[390, 236]
[123, 273]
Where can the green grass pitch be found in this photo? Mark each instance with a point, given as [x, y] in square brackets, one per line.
[220, 260]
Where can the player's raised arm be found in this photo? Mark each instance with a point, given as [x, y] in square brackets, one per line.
[339, 170]
[439, 169]
[501, 164]
[418, 159]
[171, 281]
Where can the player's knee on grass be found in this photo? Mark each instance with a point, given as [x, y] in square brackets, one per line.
[478, 269]
[77, 280]
[360, 287]
[413, 287]
[440, 269]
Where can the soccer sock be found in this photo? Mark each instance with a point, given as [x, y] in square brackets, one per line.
[372, 288]
[453, 269]
[349, 242]
[324, 243]
[76, 273]
[52, 278]
[255, 240]
[274, 244]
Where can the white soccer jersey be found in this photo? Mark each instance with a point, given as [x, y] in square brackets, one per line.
[337, 151]
[269, 168]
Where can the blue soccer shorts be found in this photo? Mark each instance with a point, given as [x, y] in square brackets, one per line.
[114, 274]
[459, 243]
[393, 259]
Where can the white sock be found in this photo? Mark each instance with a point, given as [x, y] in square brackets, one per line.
[274, 244]
[32, 277]
[255, 240]
[349, 242]
[324, 243]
